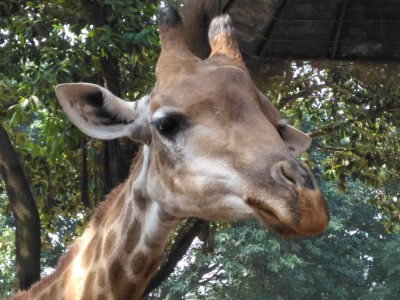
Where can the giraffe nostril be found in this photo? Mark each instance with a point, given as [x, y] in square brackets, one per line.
[287, 175]
[293, 173]
[283, 173]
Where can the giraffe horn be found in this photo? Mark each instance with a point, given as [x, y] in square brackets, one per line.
[175, 55]
[223, 42]
[171, 30]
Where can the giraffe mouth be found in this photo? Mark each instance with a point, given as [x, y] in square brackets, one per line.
[271, 220]
[273, 224]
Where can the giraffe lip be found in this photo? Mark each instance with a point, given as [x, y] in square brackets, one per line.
[270, 220]
[273, 224]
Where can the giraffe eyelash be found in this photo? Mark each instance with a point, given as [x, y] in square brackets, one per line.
[169, 125]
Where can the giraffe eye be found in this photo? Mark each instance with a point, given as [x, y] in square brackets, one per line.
[169, 125]
[280, 129]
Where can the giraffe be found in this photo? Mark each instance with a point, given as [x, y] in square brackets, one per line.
[213, 147]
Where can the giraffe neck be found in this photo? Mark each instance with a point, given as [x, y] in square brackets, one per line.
[119, 251]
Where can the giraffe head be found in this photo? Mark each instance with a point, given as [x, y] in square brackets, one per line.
[215, 147]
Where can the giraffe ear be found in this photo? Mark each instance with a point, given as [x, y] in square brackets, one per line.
[296, 141]
[100, 114]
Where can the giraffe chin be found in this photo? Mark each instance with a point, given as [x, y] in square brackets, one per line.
[274, 225]
[282, 222]
[270, 219]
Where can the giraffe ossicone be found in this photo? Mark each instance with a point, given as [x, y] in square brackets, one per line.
[214, 148]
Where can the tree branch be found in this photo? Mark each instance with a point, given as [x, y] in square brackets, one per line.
[328, 149]
[302, 93]
[26, 215]
[182, 243]
[374, 114]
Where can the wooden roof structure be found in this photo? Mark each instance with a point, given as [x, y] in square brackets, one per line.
[317, 29]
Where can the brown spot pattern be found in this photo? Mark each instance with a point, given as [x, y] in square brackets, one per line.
[44, 296]
[152, 267]
[140, 199]
[166, 217]
[109, 242]
[116, 273]
[101, 297]
[150, 243]
[121, 287]
[88, 286]
[99, 247]
[101, 277]
[138, 262]
[53, 291]
[133, 236]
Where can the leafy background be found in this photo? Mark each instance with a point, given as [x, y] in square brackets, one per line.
[351, 110]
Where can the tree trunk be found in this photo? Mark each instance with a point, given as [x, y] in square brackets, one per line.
[182, 242]
[27, 222]
[116, 154]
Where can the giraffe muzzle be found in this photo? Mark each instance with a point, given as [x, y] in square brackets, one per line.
[297, 208]
[312, 212]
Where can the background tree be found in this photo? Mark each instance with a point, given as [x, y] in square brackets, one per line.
[351, 109]
[45, 43]
[23, 207]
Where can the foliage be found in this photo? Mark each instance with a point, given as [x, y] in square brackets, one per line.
[7, 251]
[43, 44]
[352, 110]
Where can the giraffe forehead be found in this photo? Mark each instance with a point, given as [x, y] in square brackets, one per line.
[228, 108]
[211, 87]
